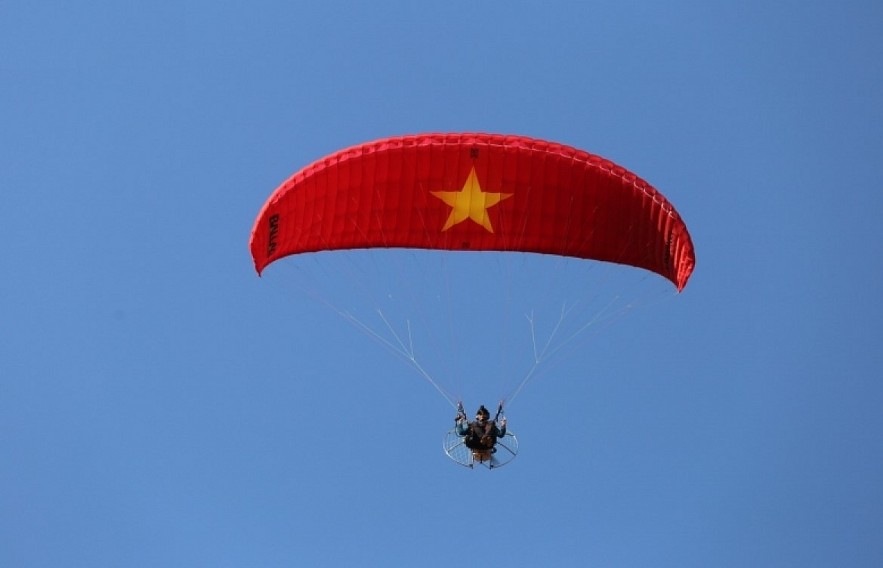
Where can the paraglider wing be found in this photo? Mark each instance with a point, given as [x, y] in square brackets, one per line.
[474, 192]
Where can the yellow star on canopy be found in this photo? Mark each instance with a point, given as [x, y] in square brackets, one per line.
[470, 203]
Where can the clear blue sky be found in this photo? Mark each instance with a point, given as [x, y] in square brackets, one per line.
[161, 405]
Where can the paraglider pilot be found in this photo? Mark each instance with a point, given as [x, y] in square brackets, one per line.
[482, 433]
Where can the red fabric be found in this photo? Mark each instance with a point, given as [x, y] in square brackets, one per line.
[531, 196]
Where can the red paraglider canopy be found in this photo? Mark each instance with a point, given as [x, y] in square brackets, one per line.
[474, 192]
